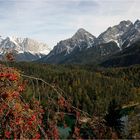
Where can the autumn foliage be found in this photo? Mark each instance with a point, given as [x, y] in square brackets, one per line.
[22, 120]
[18, 118]
[28, 120]
[30, 110]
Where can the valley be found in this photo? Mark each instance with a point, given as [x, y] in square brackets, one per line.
[86, 87]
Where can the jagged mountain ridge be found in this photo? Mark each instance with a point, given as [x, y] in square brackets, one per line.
[129, 56]
[115, 33]
[80, 40]
[23, 48]
[124, 34]
[132, 35]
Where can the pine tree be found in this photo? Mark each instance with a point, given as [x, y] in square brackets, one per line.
[113, 117]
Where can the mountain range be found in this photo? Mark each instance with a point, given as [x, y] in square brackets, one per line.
[85, 48]
[24, 49]
[109, 48]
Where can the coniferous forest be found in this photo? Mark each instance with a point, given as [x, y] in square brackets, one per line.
[70, 101]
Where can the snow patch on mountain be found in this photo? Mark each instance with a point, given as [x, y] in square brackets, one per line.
[80, 40]
[22, 45]
[114, 33]
[25, 49]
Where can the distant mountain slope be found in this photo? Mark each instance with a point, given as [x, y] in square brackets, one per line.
[91, 55]
[79, 49]
[132, 35]
[129, 56]
[115, 33]
[25, 49]
[80, 40]
[83, 47]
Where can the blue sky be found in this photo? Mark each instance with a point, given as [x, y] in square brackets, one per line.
[53, 20]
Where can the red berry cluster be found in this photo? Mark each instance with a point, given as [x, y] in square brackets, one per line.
[18, 120]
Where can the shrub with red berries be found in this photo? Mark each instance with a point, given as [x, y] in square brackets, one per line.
[22, 119]
[18, 119]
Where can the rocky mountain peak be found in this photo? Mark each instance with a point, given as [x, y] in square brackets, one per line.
[81, 30]
[137, 24]
[23, 46]
[132, 35]
[114, 33]
[112, 40]
[137, 21]
[82, 39]
[82, 34]
[125, 23]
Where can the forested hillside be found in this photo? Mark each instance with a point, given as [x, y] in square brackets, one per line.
[86, 88]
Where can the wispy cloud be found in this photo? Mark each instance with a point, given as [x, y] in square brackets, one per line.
[53, 20]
